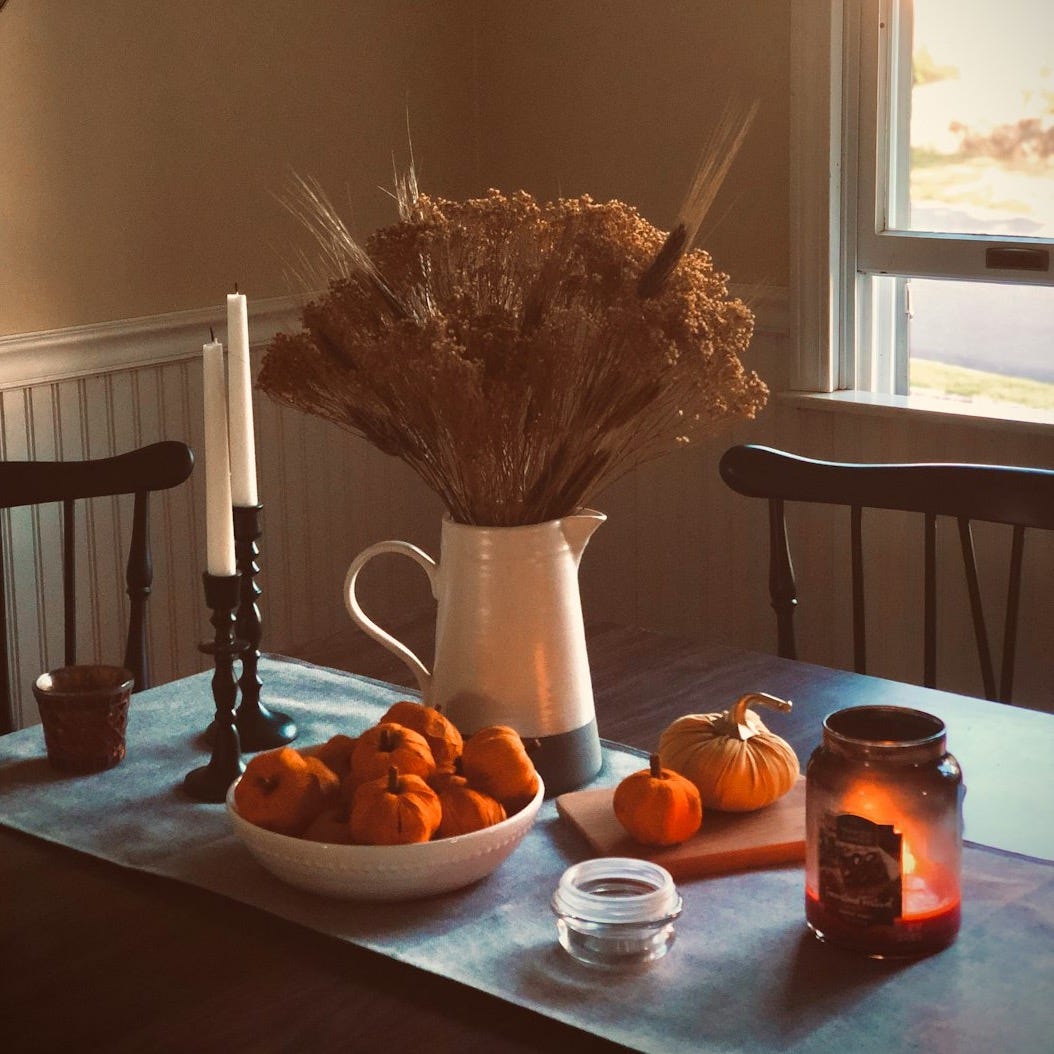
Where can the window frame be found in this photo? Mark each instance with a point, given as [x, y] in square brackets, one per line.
[841, 237]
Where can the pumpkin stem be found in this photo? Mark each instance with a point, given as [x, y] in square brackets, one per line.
[386, 741]
[737, 715]
[656, 766]
[393, 780]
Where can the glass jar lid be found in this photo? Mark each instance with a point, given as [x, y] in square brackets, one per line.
[617, 890]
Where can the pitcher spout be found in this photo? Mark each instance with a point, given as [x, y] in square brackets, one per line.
[578, 529]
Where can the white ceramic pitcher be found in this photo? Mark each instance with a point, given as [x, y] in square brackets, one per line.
[510, 644]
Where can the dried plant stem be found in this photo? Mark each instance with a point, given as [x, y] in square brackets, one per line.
[713, 166]
[502, 349]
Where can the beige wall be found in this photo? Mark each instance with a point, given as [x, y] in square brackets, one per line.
[141, 140]
[614, 100]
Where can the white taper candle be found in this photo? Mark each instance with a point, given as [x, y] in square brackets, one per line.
[243, 440]
[219, 522]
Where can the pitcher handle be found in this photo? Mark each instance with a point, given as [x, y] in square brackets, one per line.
[368, 626]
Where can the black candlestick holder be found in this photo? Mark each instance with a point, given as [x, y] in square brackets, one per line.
[211, 782]
[258, 727]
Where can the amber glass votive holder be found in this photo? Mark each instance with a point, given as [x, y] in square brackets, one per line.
[84, 711]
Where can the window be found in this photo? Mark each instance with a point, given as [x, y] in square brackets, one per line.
[934, 216]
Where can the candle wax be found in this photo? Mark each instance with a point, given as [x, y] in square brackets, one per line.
[914, 934]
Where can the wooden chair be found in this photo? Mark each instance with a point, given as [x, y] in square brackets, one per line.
[1021, 497]
[139, 472]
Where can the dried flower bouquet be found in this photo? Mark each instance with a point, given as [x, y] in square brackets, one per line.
[519, 356]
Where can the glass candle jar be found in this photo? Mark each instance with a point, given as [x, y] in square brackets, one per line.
[616, 912]
[883, 845]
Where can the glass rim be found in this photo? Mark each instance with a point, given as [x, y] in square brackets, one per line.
[659, 903]
[884, 727]
[57, 682]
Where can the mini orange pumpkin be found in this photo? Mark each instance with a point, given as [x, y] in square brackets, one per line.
[283, 791]
[384, 745]
[495, 761]
[658, 806]
[440, 732]
[330, 825]
[394, 810]
[464, 808]
[335, 752]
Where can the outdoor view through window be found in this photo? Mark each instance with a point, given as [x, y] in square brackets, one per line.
[982, 162]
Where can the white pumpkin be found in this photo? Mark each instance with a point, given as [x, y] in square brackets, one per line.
[737, 764]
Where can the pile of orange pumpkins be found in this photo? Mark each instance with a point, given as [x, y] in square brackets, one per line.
[412, 777]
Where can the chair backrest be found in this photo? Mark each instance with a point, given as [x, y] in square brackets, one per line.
[158, 466]
[1021, 497]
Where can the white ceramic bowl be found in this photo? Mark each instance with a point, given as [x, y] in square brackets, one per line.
[385, 872]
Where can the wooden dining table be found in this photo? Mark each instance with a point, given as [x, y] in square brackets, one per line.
[111, 958]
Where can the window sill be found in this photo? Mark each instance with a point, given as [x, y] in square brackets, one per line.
[1032, 422]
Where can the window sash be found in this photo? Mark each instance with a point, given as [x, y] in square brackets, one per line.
[883, 247]
[830, 303]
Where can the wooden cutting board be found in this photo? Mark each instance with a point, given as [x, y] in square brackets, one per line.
[727, 841]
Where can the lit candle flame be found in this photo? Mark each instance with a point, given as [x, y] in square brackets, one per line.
[907, 857]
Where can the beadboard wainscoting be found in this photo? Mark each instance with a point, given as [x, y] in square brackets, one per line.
[679, 553]
[326, 495]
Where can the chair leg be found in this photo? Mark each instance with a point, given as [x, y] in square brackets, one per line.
[859, 626]
[69, 582]
[974, 587]
[929, 614]
[782, 589]
[7, 708]
[1013, 599]
[139, 577]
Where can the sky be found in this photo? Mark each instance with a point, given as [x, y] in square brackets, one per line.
[1004, 51]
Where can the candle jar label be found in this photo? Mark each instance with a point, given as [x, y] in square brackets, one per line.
[860, 869]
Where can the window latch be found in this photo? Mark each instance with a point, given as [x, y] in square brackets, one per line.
[1017, 259]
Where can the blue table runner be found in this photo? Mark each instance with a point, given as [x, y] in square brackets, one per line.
[743, 974]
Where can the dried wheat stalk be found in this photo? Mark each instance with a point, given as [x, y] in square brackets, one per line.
[506, 350]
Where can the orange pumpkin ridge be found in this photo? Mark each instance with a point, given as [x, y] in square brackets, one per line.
[657, 806]
[335, 752]
[283, 791]
[496, 762]
[389, 744]
[439, 731]
[395, 809]
[465, 809]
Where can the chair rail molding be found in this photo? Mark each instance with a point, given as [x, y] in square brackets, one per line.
[29, 359]
[85, 351]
